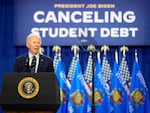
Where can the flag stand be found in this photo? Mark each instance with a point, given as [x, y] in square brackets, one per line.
[92, 49]
[93, 96]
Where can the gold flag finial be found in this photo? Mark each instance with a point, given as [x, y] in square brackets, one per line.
[41, 50]
[91, 48]
[56, 49]
[124, 49]
[105, 48]
[75, 49]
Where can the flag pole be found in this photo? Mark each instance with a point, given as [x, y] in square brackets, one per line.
[75, 49]
[57, 50]
[124, 49]
[136, 55]
[116, 56]
[92, 49]
[105, 48]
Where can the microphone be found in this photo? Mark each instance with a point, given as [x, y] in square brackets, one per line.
[27, 64]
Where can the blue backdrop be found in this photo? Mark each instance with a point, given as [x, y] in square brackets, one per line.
[8, 51]
[70, 22]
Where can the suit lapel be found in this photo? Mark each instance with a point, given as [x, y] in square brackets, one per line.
[41, 62]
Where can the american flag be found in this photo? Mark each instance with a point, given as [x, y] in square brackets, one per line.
[124, 71]
[106, 69]
[89, 71]
[55, 61]
[72, 68]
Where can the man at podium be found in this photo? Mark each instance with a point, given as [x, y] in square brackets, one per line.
[33, 61]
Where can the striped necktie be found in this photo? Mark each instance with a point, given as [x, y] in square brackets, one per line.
[33, 64]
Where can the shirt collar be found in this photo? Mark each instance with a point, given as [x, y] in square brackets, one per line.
[30, 55]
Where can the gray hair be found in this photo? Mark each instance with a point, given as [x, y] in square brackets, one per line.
[33, 34]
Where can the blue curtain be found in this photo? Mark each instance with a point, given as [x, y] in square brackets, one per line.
[8, 51]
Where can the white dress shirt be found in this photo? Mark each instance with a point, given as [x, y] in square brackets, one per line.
[37, 60]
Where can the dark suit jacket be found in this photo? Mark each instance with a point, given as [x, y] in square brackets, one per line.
[22, 64]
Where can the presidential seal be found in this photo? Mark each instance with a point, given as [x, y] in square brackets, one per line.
[28, 87]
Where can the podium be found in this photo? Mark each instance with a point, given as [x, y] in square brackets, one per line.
[26, 92]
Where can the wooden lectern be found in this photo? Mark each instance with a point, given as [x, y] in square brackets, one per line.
[30, 93]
